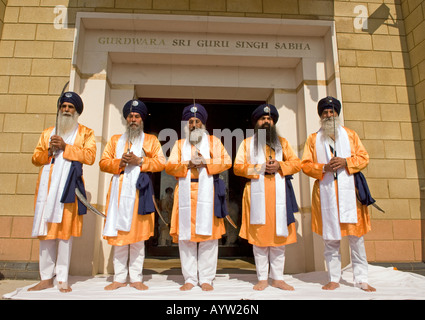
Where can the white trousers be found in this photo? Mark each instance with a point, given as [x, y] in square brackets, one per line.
[358, 259]
[128, 260]
[269, 256]
[54, 258]
[200, 259]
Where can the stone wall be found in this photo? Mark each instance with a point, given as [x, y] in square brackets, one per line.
[380, 104]
[414, 13]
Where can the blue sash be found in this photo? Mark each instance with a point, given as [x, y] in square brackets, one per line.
[363, 193]
[291, 201]
[220, 204]
[74, 180]
[145, 187]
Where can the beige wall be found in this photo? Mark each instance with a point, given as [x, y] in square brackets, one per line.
[381, 104]
[382, 81]
[2, 10]
[414, 13]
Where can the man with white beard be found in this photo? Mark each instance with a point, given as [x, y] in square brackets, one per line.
[58, 217]
[196, 162]
[131, 158]
[332, 156]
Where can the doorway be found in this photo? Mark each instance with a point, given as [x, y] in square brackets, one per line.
[222, 114]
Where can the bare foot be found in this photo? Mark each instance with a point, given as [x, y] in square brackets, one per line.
[261, 285]
[115, 285]
[186, 287]
[139, 286]
[331, 286]
[207, 287]
[280, 284]
[43, 284]
[366, 287]
[63, 287]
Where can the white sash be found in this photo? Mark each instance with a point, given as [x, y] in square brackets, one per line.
[258, 197]
[205, 202]
[48, 207]
[346, 189]
[120, 215]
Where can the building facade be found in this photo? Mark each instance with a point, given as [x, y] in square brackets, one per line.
[230, 55]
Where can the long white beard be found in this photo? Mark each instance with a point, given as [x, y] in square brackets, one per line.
[67, 123]
[329, 126]
[195, 136]
[134, 132]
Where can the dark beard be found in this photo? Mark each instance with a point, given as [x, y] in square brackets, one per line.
[271, 138]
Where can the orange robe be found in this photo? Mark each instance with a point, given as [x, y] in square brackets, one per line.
[142, 226]
[83, 150]
[359, 160]
[177, 168]
[265, 235]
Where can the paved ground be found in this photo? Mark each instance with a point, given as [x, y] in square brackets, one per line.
[7, 286]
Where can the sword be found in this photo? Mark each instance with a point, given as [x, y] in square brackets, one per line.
[128, 137]
[231, 222]
[333, 109]
[267, 110]
[159, 213]
[377, 207]
[87, 204]
[57, 115]
[58, 106]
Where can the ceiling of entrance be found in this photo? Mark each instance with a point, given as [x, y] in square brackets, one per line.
[224, 92]
[206, 93]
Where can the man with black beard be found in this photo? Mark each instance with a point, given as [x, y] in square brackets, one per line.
[332, 156]
[56, 220]
[194, 161]
[130, 158]
[268, 203]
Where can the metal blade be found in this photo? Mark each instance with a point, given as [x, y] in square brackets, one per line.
[231, 222]
[159, 213]
[87, 204]
[377, 207]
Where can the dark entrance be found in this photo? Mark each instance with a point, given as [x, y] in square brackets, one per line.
[221, 115]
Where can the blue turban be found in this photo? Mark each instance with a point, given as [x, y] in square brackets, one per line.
[135, 106]
[262, 110]
[328, 103]
[75, 99]
[195, 110]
